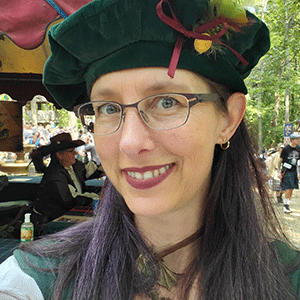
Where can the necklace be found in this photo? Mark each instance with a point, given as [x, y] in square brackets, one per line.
[167, 278]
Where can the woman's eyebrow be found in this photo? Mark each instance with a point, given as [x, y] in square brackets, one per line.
[170, 86]
[106, 92]
[156, 87]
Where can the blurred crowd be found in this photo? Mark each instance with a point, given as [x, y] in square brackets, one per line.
[40, 135]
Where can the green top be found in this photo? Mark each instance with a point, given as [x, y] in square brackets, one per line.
[42, 270]
[291, 260]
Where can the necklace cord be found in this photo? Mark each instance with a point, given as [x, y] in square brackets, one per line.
[190, 239]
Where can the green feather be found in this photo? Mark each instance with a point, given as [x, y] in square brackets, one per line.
[227, 9]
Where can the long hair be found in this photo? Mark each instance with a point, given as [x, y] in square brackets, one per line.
[235, 258]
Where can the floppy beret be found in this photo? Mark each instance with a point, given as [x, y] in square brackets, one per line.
[112, 35]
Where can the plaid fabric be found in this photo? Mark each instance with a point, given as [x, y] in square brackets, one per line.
[289, 181]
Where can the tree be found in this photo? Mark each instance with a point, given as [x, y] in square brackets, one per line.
[277, 82]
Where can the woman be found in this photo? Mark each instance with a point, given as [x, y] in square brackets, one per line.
[184, 213]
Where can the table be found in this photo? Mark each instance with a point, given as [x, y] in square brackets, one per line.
[16, 167]
[26, 187]
[20, 188]
[74, 216]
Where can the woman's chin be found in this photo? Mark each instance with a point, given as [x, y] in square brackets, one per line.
[148, 207]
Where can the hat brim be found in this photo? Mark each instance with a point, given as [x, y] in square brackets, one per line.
[56, 147]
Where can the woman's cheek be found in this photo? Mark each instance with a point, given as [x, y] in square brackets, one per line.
[106, 148]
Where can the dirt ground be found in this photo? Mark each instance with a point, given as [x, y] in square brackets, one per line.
[291, 222]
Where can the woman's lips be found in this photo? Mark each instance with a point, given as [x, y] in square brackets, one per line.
[147, 177]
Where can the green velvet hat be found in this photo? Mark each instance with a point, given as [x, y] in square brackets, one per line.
[215, 39]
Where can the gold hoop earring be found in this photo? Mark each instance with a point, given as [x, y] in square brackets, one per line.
[225, 145]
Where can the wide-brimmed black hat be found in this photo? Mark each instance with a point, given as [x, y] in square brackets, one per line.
[58, 142]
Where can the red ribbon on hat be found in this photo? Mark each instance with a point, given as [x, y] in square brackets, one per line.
[197, 34]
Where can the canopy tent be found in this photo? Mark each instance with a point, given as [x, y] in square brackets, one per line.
[21, 71]
[24, 46]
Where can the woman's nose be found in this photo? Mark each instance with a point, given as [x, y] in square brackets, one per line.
[136, 136]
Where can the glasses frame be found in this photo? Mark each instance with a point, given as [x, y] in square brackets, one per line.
[199, 98]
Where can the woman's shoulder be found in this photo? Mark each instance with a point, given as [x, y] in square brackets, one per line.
[286, 253]
[290, 259]
[45, 266]
[43, 270]
[16, 284]
[40, 268]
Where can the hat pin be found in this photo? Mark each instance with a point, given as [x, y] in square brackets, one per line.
[203, 40]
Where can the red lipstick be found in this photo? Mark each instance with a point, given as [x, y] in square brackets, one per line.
[143, 184]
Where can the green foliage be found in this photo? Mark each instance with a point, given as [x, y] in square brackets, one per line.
[63, 118]
[276, 73]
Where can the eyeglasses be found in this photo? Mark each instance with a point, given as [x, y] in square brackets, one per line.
[159, 112]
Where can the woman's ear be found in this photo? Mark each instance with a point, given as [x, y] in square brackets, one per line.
[236, 105]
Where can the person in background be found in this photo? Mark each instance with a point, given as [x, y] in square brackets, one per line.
[80, 132]
[35, 139]
[184, 211]
[289, 157]
[27, 131]
[272, 163]
[45, 133]
[63, 183]
[88, 151]
[58, 130]
[81, 153]
[90, 148]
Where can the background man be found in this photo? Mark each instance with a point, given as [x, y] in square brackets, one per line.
[289, 180]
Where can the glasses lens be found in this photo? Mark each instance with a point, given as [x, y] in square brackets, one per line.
[101, 116]
[163, 112]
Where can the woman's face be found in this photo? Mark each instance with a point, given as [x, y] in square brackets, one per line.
[182, 157]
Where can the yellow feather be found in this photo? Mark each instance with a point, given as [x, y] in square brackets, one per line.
[227, 9]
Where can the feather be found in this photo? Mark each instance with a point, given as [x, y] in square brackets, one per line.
[228, 9]
[233, 14]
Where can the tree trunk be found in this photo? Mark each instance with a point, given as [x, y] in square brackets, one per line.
[33, 105]
[259, 97]
[276, 108]
[287, 25]
[73, 124]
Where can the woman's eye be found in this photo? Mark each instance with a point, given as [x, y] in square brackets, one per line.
[166, 103]
[108, 109]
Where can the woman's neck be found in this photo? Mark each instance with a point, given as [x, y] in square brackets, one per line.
[162, 232]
